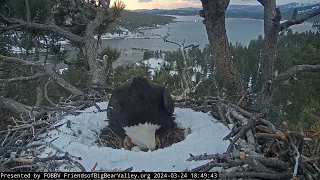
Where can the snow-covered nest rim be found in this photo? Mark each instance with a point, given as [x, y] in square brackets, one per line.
[108, 138]
[79, 140]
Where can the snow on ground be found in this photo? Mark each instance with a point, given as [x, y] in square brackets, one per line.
[154, 64]
[206, 137]
[193, 78]
[17, 50]
[126, 34]
[62, 70]
[197, 68]
[174, 73]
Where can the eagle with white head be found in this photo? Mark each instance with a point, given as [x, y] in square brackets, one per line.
[141, 112]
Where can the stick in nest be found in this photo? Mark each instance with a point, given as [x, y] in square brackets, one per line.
[109, 138]
[173, 136]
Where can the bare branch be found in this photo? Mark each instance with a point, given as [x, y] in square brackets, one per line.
[28, 10]
[62, 82]
[4, 18]
[44, 69]
[172, 42]
[14, 106]
[300, 20]
[4, 29]
[28, 78]
[39, 95]
[262, 2]
[8, 59]
[258, 175]
[294, 70]
[191, 45]
[46, 94]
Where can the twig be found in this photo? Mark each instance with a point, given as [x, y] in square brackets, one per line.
[261, 175]
[206, 167]
[5, 139]
[206, 157]
[295, 172]
[46, 94]
[29, 78]
[241, 133]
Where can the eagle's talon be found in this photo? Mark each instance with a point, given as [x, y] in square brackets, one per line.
[127, 143]
[158, 142]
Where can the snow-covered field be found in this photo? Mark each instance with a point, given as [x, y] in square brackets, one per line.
[131, 35]
[79, 140]
[155, 64]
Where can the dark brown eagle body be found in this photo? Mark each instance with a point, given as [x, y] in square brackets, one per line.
[140, 102]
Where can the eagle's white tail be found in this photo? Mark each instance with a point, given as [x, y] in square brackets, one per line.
[143, 135]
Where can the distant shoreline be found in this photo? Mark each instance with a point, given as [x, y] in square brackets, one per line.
[134, 33]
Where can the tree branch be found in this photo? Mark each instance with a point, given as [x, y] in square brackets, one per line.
[28, 10]
[105, 4]
[294, 70]
[61, 81]
[46, 94]
[44, 69]
[28, 78]
[191, 45]
[14, 106]
[262, 2]
[100, 17]
[5, 29]
[44, 27]
[172, 42]
[39, 94]
[300, 20]
[8, 59]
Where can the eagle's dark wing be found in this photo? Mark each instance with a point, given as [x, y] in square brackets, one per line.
[113, 106]
[168, 101]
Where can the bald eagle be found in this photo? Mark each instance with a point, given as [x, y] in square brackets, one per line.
[140, 112]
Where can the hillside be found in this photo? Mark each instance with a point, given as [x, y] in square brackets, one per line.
[238, 11]
[133, 20]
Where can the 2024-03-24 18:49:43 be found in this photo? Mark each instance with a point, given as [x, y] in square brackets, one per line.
[186, 175]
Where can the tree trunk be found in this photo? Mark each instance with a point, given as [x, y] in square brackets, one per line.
[36, 48]
[40, 93]
[214, 14]
[98, 72]
[271, 29]
[185, 74]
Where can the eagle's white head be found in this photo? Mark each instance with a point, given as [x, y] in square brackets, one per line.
[143, 135]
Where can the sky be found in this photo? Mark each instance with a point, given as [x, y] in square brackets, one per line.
[170, 4]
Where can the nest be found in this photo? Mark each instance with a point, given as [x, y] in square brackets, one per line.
[172, 136]
[109, 139]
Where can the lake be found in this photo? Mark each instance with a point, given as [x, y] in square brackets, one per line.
[193, 31]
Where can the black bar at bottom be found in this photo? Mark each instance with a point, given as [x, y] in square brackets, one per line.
[109, 175]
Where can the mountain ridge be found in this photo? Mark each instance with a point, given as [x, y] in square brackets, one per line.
[238, 11]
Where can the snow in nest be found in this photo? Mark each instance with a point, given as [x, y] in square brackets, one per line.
[206, 137]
